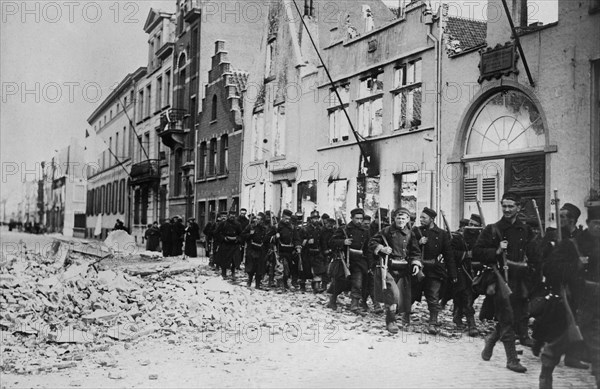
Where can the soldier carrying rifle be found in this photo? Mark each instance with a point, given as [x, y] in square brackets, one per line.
[508, 244]
[399, 245]
[574, 268]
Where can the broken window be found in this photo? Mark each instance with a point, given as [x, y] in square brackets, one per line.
[307, 196]
[407, 96]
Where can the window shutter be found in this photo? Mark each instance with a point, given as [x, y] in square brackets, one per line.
[489, 189]
[470, 189]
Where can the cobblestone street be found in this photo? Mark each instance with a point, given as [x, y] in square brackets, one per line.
[295, 342]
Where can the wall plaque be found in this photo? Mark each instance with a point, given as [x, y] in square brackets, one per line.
[498, 61]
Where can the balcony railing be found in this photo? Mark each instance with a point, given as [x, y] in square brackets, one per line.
[172, 126]
[193, 10]
[145, 171]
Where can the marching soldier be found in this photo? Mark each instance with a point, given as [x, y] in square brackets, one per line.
[354, 239]
[438, 264]
[287, 241]
[399, 244]
[575, 266]
[227, 235]
[314, 265]
[256, 236]
[509, 245]
[326, 250]
[462, 243]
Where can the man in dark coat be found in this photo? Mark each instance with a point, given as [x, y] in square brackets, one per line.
[256, 236]
[228, 236]
[575, 266]
[353, 239]
[166, 236]
[287, 240]
[177, 233]
[438, 264]
[314, 265]
[399, 244]
[152, 236]
[462, 243]
[326, 251]
[192, 234]
[208, 232]
[509, 242]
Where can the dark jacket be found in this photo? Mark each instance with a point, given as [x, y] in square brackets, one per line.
[165, 232]
[257, 237]
[289, 237]
[228, 232]
[311, 231]
[360, 243]
[438, 243]
[521, 248]
[402, 241]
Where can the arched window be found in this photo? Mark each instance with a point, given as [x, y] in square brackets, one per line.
[213, 112]
[507, 121]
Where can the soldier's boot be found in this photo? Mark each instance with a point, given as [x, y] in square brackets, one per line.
[258, 283]
[318, 288]
[364, 306]
[272, 281]
[390, 321]
[302, 285]
[490, 342]
[433, 323]
[457, 319]
[332, 302]
[471, 326]
[377, 308]
[406, 318]
[354, 305]
[295, 281]
[512, 360]
[249, 282]
[546, 377]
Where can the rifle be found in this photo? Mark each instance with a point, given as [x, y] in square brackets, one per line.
[480, 213]
[346, 262]
[446, 223]
[384, 265]
[389, 215]
[573, 331]
[557, 211]
[539, 219]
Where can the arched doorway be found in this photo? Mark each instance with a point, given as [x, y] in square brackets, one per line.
[504, 151]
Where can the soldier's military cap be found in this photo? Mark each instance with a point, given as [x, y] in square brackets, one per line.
[512, 196]
[430, 212]
[357, 211]
[476, 218]
[287, 212]
[574, 212]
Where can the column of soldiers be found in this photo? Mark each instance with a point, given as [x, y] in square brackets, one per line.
[394, 262]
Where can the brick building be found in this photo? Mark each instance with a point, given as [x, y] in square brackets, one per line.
[219, 138]
[198, 25]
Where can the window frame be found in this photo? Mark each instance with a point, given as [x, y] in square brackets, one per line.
[404, 89]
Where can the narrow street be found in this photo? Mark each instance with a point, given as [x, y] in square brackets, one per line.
[263, 339]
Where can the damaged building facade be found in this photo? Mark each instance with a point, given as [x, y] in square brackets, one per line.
[283, 127]
[524, 121]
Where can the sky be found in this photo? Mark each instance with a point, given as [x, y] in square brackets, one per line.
[60, 59]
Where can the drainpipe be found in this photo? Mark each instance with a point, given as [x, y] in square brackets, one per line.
[429, 20]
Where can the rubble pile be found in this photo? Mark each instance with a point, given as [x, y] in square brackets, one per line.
[52, 315]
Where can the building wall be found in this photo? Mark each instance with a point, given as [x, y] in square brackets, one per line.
[559, 58]
[222, 185]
